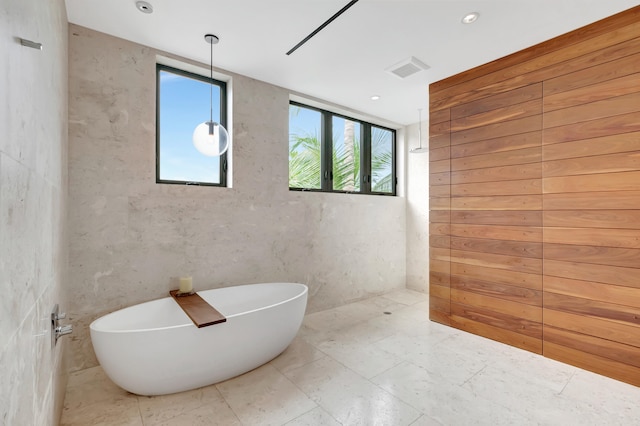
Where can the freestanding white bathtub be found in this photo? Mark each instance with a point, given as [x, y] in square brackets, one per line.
[154, 349]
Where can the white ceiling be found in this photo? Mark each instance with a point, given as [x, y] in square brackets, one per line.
[346, 62]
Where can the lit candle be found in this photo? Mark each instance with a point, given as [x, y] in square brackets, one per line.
[186, 285]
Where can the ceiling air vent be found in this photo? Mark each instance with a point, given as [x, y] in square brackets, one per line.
[407, 67]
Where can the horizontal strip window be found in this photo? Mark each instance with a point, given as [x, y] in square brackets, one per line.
[183, 101]
[330, 152]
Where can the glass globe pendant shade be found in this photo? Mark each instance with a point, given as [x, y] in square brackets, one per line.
[211, 139]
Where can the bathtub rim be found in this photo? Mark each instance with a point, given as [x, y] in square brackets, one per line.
[190, 323]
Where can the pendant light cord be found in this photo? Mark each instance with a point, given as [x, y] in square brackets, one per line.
[211, 86]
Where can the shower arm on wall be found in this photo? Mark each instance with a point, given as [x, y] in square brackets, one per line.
[420, 149]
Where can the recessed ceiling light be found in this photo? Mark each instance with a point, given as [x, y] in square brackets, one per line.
[144, 6]
[470, 18]
[375, 97]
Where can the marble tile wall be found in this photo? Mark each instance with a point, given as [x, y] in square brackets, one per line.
[417, 190]
[33, 200]
[130, 237]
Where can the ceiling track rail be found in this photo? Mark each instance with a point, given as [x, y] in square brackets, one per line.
[321, 27]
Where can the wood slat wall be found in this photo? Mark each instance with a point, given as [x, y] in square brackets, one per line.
[496, 267]
[440, 216]
[535, 198]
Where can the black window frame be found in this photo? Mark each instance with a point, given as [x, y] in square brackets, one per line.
[326, 143]
[223, 120]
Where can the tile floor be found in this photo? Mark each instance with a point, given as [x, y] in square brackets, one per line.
[355, 365]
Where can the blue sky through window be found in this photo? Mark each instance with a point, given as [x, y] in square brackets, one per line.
[303, 122]
[184, 103]
[381, 147]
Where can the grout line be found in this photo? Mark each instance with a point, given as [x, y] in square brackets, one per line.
[567, 384]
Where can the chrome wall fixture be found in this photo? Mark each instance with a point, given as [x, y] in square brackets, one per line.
[32, 44]
[58, 330]
[420, 149]
[211, 138]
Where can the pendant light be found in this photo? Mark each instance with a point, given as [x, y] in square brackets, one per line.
[419, 150]
[211, 138]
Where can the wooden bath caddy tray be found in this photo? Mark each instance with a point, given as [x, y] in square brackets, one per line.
[201, 313]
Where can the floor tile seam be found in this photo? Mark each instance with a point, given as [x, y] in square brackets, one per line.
[395, 301]
[357, 374]
[404, 357]
[433, 374]
[542, 386]
[399, 398]
[315, 343]
[306, 364]
[307, 412]
[224, 399]
[374, 318]
[378, 339]
[426, 416]
[111, 400]
[407, 355]
[408, 318]
[378, 345]
[317, 348]
[407, 290]
[89, 408]
[361, 374]
[442, 340]
[201, 404]
[442, 378]
[286, 370]
[461, 352]
[363, 343]
[85, 370]
[348, 368]
[142, 422]
[567, 383]
[604, 409]
[473, 375]
[121, 395]
[295, 385]
[409, 304]
[338, 329]
[395, 365]
[591, 412]
[516, 372]
[80, 405]
[113, 396]
[433, 344]
[309, 397]
[402, 361]
[505, 406]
